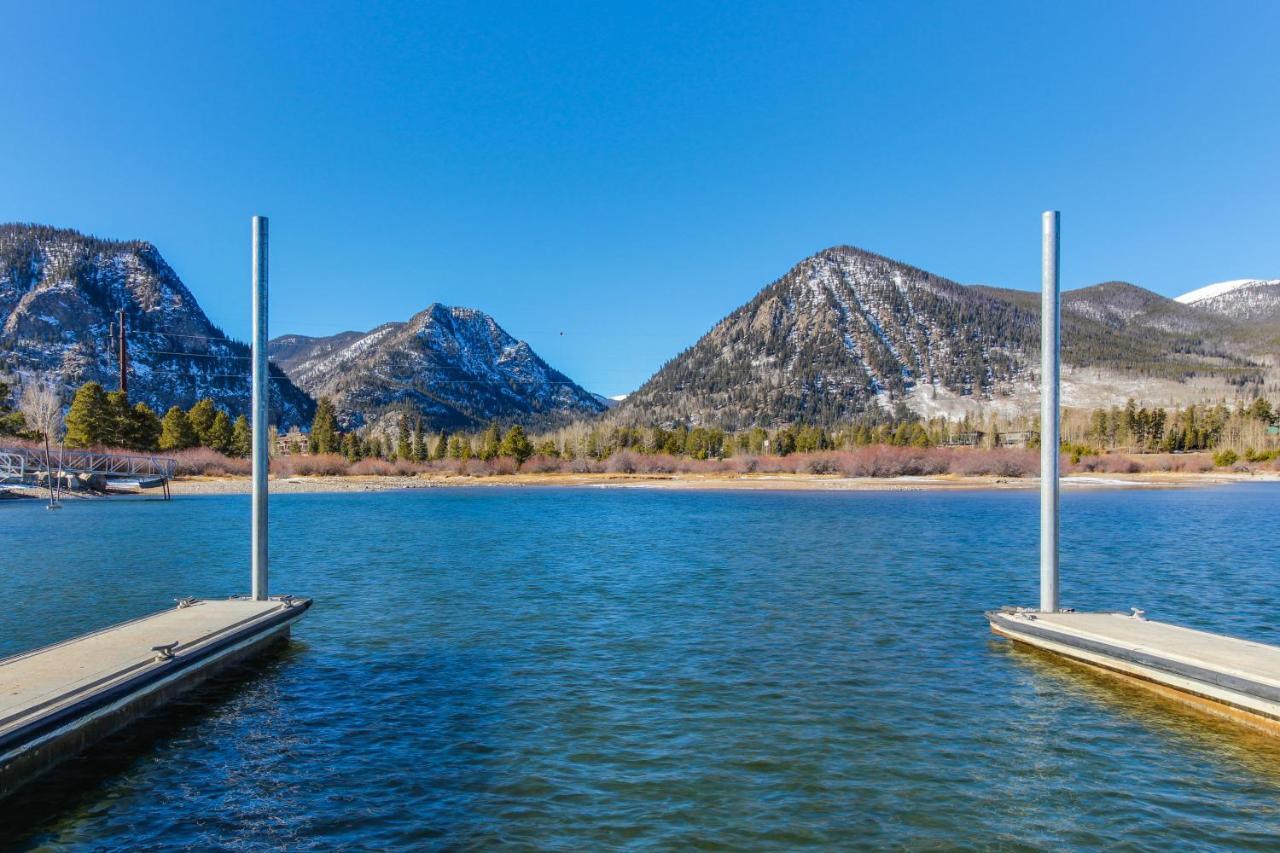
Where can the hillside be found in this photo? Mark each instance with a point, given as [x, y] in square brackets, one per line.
[846, 332]
[456, 367]
[59, 294]
[1249, 301]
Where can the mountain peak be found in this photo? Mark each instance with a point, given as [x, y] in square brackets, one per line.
[59, 293]
[454, 366]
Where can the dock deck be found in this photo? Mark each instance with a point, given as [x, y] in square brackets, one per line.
[1224, 675]
[59, 699]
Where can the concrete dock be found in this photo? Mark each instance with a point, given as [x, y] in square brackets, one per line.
[1225, 676]
[57, 700]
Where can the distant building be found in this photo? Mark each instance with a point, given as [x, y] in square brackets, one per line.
[1014, 439]
[295, 442]
[972, 438]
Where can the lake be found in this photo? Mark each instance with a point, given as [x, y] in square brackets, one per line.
[580, 669]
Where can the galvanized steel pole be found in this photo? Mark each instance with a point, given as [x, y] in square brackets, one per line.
[1049, 414]
[260, 398]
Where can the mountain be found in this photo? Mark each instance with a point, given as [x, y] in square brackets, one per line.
[847, 331]
[454, 366]
[1248, 300]
[59, 294]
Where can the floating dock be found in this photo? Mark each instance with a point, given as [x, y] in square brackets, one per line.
[60, 699]
[1225, 676]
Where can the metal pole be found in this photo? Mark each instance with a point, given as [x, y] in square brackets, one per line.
[1049, 414]
[259, 535]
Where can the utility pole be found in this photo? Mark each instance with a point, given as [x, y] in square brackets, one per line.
[259, 405]
[1050, 332]
[124, 357]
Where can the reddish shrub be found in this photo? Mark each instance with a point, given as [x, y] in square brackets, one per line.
[320, 464]
[540, 464]
[211, 463]
[371, 468]
[622, 462]
[1001, 462]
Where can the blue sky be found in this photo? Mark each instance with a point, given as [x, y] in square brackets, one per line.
[608, 181]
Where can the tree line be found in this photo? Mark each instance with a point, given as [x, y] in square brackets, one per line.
[101, 418]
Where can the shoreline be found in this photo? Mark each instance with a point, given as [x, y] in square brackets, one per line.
[197, 485]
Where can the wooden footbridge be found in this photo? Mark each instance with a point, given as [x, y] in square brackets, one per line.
[30, 466]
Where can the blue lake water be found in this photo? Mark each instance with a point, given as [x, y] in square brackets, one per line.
[581, 669]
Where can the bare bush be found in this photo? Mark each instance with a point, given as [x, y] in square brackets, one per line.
[201, 461]
[371, 468]
[540, 464]
[317, 464]
[622, 462]
[1000, 462]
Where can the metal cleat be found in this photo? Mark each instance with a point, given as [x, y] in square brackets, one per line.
[165, 652]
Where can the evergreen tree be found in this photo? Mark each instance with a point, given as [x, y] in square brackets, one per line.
[220, 434]
[419, 443]
[176, 432]
[11, 422]
[404, 443]
[144, 429]
[119, 420]
[490, 443]
[324, 428]
[517, 445]
[442, 446]
[89, 419]
[241, 438]
[202, 415]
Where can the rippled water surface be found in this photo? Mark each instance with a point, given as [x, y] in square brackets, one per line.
[583, 669]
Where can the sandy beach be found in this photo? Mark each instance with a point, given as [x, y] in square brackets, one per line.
[762, 482]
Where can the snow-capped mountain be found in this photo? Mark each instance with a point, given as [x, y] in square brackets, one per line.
[1244, 299]
[59, 294]
[847, 331]
[454, 366]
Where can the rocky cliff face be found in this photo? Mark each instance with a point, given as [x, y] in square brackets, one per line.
[455, 367]
[846, 331]
[59, 294]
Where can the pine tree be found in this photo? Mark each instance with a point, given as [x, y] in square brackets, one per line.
[220, 435]
[491, 443]
[241, 438]
[11, 422]
[119, 420]
[404, 444]
[442, 446]
[176, 432]
[517, 445]
[201, 416]
[144, 429]
[324, 428]
[88, 420]
[419, 443]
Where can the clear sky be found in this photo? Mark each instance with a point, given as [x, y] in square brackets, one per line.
[609, 181]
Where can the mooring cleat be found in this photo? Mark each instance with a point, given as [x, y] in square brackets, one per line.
[165, 652]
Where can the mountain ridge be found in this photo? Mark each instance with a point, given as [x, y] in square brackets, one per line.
[453, 366]
[59, 293]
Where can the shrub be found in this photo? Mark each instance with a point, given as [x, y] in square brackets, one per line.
[1001, 462]
[210, 463]
[540, 464]
[1225, 458]
[319, 464]
[622, 462]
[372, 468]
